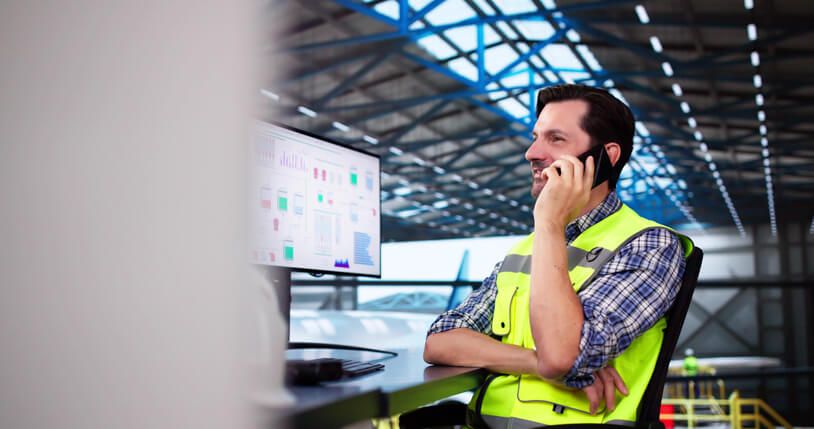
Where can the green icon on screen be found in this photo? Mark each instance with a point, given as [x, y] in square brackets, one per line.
[319, 197]
[353, 178]
[289, 252]
[282, 203]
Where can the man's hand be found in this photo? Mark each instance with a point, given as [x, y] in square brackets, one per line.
[606, 382]
[566, 192]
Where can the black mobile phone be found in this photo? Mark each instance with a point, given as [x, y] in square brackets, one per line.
[602, 164]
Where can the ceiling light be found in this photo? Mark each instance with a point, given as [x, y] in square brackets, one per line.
[306, 111]
[698, 136]
[340, 126]
[755, 58]
[757, 81]
[685, 107]
[668, 69]
[692, 122]
[748, 4]
[270, 95]
[762, 129]
[765, 152]
[751, 31]
[759, 99]
[641, 12]
[488, 191]
[764, 142]
[457, 178]
[703, 147]
[473, 185]
[402, 191]
[656, 44]
[438, 170]
[677, 90]
[501, 197]
[369, 139]
[761, 115]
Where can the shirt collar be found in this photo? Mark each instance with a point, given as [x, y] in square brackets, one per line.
[608, 206]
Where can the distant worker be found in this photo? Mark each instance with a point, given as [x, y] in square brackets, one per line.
[691, 369]
[576, 310]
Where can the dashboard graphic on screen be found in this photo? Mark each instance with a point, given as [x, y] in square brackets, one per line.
[314, 204]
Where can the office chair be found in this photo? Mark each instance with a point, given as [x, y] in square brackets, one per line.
[451, 413]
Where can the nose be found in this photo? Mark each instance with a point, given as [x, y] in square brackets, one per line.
[535, 150]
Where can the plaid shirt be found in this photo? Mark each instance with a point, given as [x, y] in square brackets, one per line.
[629, 295]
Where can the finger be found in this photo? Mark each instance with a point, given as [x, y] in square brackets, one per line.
[617, 380]
[610, 390]
[588, 176]
[598, 393]
[578, 167]
[566, 169]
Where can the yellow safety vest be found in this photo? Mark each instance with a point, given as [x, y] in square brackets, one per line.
[525, 401]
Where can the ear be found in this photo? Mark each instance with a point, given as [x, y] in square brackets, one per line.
[614, 152]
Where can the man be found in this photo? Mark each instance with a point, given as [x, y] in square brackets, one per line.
[575, 311]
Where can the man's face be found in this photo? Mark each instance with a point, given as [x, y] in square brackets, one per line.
[556, 133]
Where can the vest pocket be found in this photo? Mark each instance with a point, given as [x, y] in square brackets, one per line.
[532, 389]
[502, 318]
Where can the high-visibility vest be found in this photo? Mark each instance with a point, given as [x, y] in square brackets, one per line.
[525, 401]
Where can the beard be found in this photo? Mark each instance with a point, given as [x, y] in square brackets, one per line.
[537, 184]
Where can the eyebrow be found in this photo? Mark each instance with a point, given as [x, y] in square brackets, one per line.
[550, 132]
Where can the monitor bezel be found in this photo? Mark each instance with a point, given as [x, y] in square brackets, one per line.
[381, 215]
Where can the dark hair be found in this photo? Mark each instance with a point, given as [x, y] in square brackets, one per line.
[607, 119]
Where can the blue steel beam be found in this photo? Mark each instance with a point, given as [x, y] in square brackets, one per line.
[424, 11]
[523, 58]
[351, 80]
[411, 102]
[435, 29]
[391, 140]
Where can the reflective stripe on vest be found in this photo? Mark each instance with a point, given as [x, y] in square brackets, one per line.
[512, 400]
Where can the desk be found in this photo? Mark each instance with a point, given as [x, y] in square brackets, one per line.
[406, 382]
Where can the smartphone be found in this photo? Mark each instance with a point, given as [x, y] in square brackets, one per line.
[602, 164]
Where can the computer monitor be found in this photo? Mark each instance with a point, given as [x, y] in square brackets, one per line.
[314, 206]
[315, 203]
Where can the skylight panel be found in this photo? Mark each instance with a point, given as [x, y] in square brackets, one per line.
[560, 56]
[517, 79]
[484, 6]
[490, 35]
[464, 68]
[551, 76]
[573, 77]
[389, 8]
[503, 26]
[515, 6]
[549, 4]
[514, 107]
[498, 57]
[437, 47]
[573, 36]
[419, 4]
[524, 98]
[589, 57]
[465, 38]
[535, 30]
[449, 12]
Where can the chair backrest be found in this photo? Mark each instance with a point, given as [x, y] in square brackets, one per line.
[651, 401]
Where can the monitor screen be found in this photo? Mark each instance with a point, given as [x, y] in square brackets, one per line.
[314, 203]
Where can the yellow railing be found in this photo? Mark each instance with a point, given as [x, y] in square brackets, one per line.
[731, 410]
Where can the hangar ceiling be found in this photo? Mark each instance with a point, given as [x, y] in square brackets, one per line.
[442, 90]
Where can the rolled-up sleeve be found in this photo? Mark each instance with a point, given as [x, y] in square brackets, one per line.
[629, 295]
[475, 312]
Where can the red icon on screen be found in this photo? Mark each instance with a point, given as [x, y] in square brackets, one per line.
[276, 224]
[323, 175]
[266, 204]
[316, 172]
[374, 212]
[271, 256]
